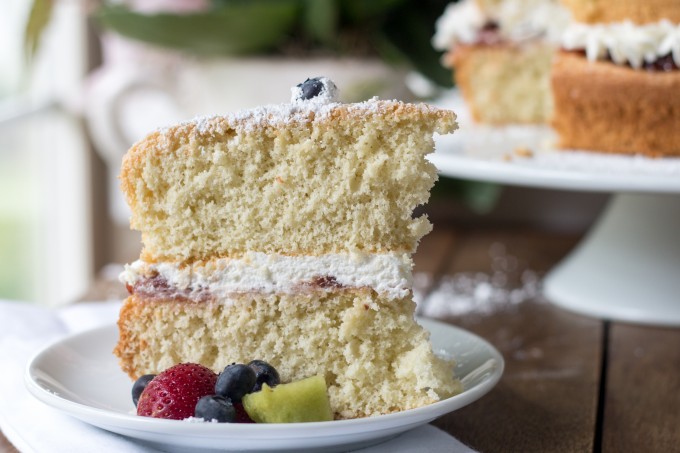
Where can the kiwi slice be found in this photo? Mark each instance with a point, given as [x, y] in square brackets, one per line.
[305, 400]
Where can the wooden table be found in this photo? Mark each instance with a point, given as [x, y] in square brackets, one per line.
[572, 383]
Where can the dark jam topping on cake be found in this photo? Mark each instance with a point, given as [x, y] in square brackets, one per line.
[490, 34]
[665, 63]
[661, 64]
[157, 287]
[326, 281]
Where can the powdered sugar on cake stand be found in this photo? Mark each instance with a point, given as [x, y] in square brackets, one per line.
[626, 267]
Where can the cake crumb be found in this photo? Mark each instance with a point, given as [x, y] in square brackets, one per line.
[523, 151]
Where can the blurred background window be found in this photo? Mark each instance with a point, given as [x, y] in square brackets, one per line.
[103, 73]
[44, 221]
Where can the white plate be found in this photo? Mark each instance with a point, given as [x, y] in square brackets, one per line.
[80, 376]
[489, 153]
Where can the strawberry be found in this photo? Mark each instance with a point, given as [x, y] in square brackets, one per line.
[173, 394]
[241, 414]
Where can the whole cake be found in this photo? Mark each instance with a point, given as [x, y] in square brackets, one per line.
[501, 51]
[616, 85]
[285, 233]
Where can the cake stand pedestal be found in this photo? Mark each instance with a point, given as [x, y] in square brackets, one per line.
[627, 268]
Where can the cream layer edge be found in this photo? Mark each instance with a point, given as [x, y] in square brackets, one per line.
[388, 274]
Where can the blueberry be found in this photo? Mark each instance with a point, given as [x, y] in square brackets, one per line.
[264, 374]
[311, 88]
[139, 386]
[235, 381]
[215, 407]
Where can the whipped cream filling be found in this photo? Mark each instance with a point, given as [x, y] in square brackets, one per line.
[389, 274]
[625, 42]
[517, 21]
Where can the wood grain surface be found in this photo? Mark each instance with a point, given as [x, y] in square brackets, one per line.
[642, 393]
[547, 397]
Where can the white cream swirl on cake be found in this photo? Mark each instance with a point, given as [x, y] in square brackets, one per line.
[625, 42]
[514, 21]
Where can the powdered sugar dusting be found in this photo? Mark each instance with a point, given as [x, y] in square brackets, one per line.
[301, 111]
[470, 293]
[277, 115]
[467, 293]
[268, 115]
[298, 110]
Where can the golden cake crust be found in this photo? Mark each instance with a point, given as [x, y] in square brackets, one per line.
[605, 107]
[637, 11]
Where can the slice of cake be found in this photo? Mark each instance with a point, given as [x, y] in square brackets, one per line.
[285, 234]
[501, 52]
[617, 84]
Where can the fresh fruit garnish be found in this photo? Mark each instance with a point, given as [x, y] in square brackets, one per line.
[173, 394]
[215, 407]
[264, 374]
[300, 401]
[241, 414]
[139, 386]
[235, 381]
[310, 88]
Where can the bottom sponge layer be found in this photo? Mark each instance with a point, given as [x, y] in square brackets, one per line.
[374, 356]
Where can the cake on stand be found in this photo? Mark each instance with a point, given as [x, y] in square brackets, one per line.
[627, 268]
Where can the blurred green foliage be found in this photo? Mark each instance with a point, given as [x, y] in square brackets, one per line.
[479, 196]
[229, 29]
[38, 18]
[15, 261]
[398, 30]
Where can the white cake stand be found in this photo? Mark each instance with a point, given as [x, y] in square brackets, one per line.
[627, 268]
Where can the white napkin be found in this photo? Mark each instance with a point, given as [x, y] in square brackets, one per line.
[35, 427]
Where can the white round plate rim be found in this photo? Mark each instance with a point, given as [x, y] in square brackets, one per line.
[269, 436]
[488, 153]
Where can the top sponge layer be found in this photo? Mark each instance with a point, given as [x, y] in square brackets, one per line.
[305, 178]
